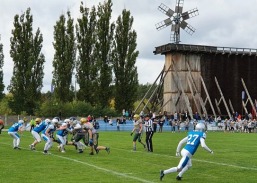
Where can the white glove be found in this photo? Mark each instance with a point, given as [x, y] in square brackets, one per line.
[177, 154]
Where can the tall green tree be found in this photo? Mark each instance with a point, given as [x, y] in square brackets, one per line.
[64, 58]
[104, 46]
[124, 59]
[1, 71]
[86, 63]
[27, 79]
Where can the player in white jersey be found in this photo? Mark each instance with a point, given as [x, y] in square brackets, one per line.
[193, 140]
[79, 134]
[13, 132]
[137, 130]
[92, 137]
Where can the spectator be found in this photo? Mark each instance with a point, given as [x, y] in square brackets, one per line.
[161, 123]
[118, 124]
[32, 124]
[1, 125]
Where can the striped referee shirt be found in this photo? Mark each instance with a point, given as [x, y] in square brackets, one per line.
[149, 126]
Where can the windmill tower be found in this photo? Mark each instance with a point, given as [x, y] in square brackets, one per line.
[177, 19]
[182, 74]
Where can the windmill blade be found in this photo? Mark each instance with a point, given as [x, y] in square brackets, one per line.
[163, 24]
[183, 24]
[179, 6]
[178, 9]
[188, 28]
[189, 14]
[166, 10]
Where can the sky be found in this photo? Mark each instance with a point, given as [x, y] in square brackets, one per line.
[222, 23]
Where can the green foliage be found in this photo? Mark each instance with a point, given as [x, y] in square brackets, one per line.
[4, 105]
[124, 59]
[64, 58]
[86, 64]
[104, 46]
[233, 160]
[1, 71]
[27, 79]
[75, 108]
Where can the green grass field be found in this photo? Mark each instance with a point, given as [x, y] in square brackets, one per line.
[234, 160]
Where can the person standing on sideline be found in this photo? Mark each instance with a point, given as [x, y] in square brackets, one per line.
[1, 125]
[13, 132]
[193, 140]
[149, 133]
[32, 124]
[137, 130]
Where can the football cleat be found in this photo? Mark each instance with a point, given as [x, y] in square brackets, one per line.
[46, 153]
[108, 150]
[91, 153]
[32, 147]
[179, 178]
[80, 151]
[161, 175]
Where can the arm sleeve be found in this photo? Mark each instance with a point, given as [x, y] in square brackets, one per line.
[184, 140]
[204, 145]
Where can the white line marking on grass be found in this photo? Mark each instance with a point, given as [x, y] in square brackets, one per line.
[104, 169]
[126, 175]
[193, 159]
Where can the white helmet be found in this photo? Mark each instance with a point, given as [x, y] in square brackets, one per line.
[20, 121]
[55, 121]
[67, 121]
[200, 127]
[47, 121]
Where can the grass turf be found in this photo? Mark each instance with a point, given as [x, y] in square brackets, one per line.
[233, 160]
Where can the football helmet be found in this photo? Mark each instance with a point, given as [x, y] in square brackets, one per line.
[136, 116]
[55, 121]
[83, 120]
[38, 120]
[20, 121]
[47, 121]
[200, 127]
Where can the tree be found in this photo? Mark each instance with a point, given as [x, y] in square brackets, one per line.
[86, 65]
[124, 59]
[104, 48]
[1, 71]
[64, 58]
[27, 79]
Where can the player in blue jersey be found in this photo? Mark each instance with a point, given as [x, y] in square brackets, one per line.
[61, 135]
[47, 134]
[13, 132]
[40, 126]
[193, 140]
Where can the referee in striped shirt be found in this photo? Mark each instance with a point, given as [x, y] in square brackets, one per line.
[149, 133]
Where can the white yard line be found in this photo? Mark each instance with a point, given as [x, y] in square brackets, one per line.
[125, 175]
